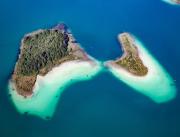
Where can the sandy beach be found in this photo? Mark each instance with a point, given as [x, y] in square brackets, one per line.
[48, 88]
[157, 84]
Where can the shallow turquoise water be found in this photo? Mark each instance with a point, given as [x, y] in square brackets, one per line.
[104, 106]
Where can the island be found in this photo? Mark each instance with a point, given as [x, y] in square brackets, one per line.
[140, 70]
[172, 2]
[130, 59]
[49, 60]
[40, 52]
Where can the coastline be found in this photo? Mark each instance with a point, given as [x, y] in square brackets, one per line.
[130, 59]
[48, 88]
[157, 84]
[171, 2]
[31, 63]
[51, 82]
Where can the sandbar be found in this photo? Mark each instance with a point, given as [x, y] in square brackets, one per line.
[157, 84]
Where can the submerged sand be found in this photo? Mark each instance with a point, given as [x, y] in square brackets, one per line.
[48, 88]
[158, 85]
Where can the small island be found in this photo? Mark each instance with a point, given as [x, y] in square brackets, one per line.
[130, 59]
[49, 61]
[140, 70]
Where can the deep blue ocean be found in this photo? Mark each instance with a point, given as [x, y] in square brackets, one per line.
[103, 106]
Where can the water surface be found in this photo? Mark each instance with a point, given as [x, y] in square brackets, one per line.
[104, 106]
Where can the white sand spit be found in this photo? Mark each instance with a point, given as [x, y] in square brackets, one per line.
[157, 84]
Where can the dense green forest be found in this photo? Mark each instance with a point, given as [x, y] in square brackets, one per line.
[40, 50]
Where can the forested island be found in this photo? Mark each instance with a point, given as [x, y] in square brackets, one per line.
[130, 59]
[141, 71]
[41, 51]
